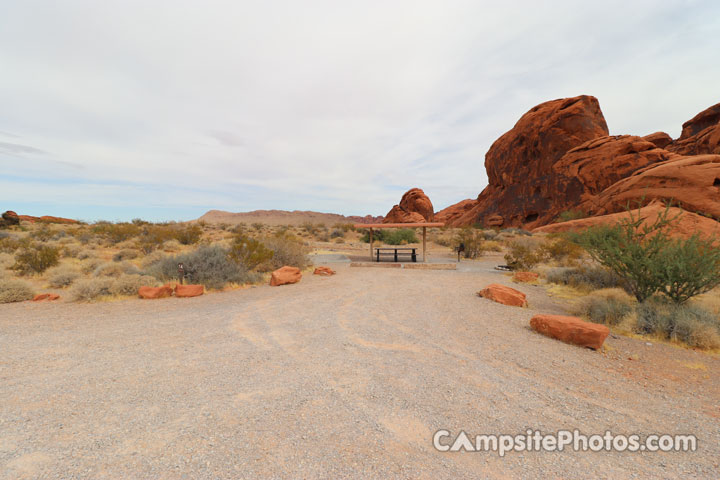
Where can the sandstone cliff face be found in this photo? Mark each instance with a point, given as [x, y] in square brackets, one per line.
[414, 207]
[559, 157]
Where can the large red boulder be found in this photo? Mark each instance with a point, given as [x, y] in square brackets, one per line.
[285, 275]
[152, 293]
[505, 295]
[189, 290]
[659, 139]
[571, 330]
[9, 218]
[700, 135]
[324, 271]
[525, 277]
[520, 163]
[414, 207]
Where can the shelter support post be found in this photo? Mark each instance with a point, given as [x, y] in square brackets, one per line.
[424, 242]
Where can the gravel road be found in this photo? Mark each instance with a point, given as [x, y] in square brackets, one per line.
[340, 377]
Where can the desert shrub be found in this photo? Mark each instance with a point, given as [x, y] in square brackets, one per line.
[6, 260]
[116, 232]
[128, 284]
[115, 269]
[515, 231]
[126, 254]
[492, 246]
[689, 267]
[472, 241]
[207, 265]
[378, 236]
[585, 278]
[688, 323]
[400, 236]
[568, 215]
[36, 259]
[249, 252]
[490, 234]
[524, 255]
[189, 234]
[62, 276]
[85, 254]
[562, 250]
[91, 288]
[345, 227]
[337, 233]
[15, 291]
[257, 226]
[287, 250]
[71, 250]
[42, 234]
[11, 244]
[90, 264]
[610, 308]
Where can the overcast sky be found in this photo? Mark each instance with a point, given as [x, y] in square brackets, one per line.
[164, 110]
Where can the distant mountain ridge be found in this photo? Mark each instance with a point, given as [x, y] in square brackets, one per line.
[283, 217]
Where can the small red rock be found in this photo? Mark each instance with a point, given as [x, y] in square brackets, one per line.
[571, 330]
[285, 275]
[324, 271]
[189, 290]
[505, 295]
[46, 296]
[525, 277]
[152, 293]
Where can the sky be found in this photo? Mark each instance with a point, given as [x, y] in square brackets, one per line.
[163, 110]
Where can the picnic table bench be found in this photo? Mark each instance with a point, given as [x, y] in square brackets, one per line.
[395, 251]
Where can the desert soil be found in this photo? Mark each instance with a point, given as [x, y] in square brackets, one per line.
[340, 377]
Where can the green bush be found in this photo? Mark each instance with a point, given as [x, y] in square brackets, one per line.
[249, 252]
[207, 265]
[606, 309]
[36, 259]
[689, 268]
[687, 323]
[189, 234]
[562, 250]
[400, 236]
[62, 276]
[15, 291]
[634, 249]
[91, 289]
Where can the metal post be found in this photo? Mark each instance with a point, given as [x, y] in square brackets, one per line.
[424, 241]
[371, 242]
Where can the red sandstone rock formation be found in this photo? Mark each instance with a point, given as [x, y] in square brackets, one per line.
[324, 271]
[571, 330]
[700, 135]
[185, 291]
[659, 139]
[285, 275]
[152, 293]
[414, 207]
[525, 277]
[40, 297]
[505, 295]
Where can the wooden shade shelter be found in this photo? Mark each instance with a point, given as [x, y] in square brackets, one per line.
[424, 226]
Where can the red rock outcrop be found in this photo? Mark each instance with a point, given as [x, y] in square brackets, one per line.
[522, 182]
[46, 219]
[686, 225]
[505, 295]
[414, 207]
[453, 212]
[324, 271]
[692, 183]
[659, 139]
[525, 277]
[151, 293]
[40, 297]
[285, 275]
[9, 218]
[186, 291]
[571, 330]
[700, 135]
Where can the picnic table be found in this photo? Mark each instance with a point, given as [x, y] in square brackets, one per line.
[394, 251]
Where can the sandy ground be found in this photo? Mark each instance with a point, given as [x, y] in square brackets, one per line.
[340, 377]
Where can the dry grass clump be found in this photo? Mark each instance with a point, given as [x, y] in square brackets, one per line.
[287, 250]
[36, 258]
[62, 276]
[15, 291]
[609, 306]
[89, 265]
[687, 323]
[115, 269]
[129, 284]
[91, 288]
[586, 278]
[125, 254]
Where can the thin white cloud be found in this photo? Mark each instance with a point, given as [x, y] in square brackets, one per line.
[333, 106]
